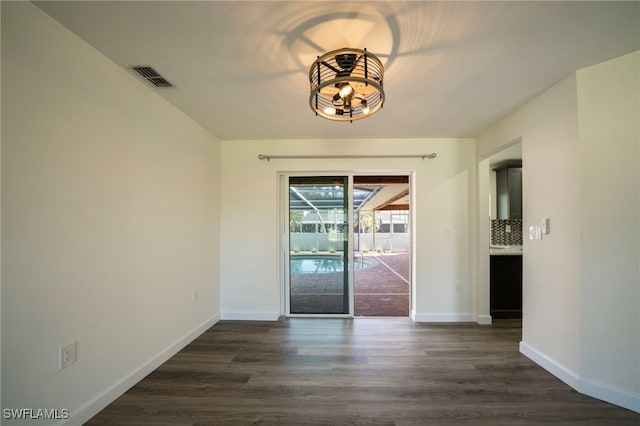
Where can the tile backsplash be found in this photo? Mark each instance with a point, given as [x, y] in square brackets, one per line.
[500, 236]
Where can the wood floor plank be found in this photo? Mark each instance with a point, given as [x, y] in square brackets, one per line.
[365, 371]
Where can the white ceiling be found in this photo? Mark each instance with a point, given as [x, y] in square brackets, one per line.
[451, 68]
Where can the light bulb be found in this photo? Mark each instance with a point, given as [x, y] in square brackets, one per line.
[365, 107]
[345, 90]
[330, 111]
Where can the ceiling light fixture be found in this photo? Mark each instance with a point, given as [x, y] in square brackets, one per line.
[346, 84]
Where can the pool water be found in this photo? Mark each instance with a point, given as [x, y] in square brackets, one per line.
[319, 264]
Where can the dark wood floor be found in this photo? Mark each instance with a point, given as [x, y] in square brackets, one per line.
[365, 371]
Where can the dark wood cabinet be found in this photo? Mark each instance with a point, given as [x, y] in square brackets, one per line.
[505, 286]
[509, 192]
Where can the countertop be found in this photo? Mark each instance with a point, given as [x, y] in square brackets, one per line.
[505, 250]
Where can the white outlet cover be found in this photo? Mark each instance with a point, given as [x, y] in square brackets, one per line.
[447, 232]
[66, 355]
[534, 233]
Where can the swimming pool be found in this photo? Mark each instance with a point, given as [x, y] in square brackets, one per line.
[322, 264]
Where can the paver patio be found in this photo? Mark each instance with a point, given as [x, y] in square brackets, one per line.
[381, 289]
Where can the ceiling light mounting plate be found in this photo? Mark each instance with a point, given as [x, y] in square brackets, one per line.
[346, 84]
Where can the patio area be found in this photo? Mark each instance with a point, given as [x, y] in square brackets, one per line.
[381, 288]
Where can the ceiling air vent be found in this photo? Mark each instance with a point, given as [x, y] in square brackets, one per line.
[152, 76]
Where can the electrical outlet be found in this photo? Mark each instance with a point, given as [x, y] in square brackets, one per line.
[66, 355]
[195, 295]
[447, 232]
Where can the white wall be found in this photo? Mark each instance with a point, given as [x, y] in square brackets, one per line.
[549, 131]
[110, 219]
[0, 216]
[486, 186]
[444, 193]
[570, 317]
[609, 120]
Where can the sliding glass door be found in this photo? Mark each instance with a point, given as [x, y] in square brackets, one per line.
[346, 245]
[318, 260]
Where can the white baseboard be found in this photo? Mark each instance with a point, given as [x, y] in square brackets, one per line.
[558, 370]
[604, 392]
[453, 317]
[250, 316]
[608, 393]
[483, 319]
[95, 405]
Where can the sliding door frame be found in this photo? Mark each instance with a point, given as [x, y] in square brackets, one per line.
[285, 249]
[284, 238]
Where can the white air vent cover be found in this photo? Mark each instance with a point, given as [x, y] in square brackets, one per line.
[152, 76]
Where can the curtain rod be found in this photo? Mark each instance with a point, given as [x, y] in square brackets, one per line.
[286, 157]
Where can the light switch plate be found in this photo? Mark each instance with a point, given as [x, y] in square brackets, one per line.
[545, 226]
[534, 233]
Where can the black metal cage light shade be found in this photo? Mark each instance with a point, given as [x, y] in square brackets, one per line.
[346, 84]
